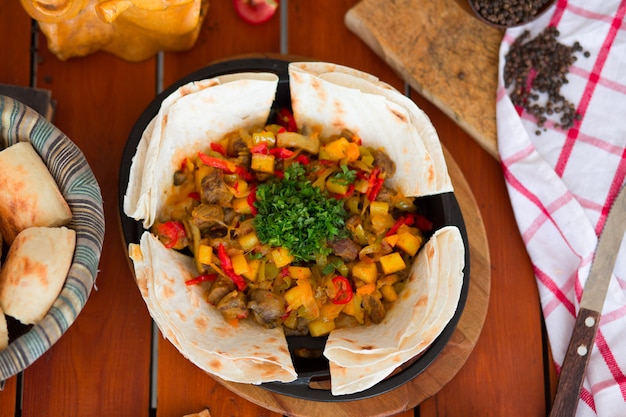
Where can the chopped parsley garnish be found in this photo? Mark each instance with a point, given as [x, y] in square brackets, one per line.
[291, 212]
[346, 176]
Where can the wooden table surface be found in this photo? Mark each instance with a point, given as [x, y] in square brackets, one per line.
[103, 365]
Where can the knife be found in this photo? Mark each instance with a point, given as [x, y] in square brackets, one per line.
[586, 325]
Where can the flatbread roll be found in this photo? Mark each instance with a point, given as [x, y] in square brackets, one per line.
[29, 196]
[34, 271]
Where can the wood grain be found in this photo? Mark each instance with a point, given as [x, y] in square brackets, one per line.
[443, 52]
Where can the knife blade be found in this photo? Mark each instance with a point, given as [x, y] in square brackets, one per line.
[586, 325]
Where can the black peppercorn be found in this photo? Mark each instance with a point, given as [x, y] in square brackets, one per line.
[537, 68]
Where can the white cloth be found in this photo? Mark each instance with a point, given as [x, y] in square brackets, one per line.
[562, 184]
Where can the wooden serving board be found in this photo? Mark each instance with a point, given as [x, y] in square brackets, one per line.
[441, 50]
[447, 364]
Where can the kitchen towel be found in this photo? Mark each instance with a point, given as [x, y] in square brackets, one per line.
[562, 183]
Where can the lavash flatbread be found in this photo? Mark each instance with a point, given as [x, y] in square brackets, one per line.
[34, 271]
[29, 196]
[358, 360]
[331, 98]
[243, 353]
[327, 98]
[193, 116]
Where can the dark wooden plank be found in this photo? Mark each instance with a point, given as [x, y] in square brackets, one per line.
[504, 374]
[101, 365]
[15, 26]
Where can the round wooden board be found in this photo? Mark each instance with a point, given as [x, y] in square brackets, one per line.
[447, 364]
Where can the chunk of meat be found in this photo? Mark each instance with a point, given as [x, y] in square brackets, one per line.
[214, 190]
[345, 248]
[233, 305]
[267, 307]
[386, 165]
[206, 216]
[221, 286]
[374, 308]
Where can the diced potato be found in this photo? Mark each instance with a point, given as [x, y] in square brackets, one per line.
[389, 293]
[281, 257]
[253, 269]
[365, 271]
[294, 297]
[392, 263]
[240, 264]
[409, 242]
[241, 205]
[330, 311]
[248, 241]
[391, 240]
[353, 308]
[381, 222]
[298, 272]
[262, 163]
[379, 208]
[321, 327]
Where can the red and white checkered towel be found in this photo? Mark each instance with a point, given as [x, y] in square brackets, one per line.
[562, 183]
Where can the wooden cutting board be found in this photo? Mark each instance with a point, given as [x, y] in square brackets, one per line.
[442, 51]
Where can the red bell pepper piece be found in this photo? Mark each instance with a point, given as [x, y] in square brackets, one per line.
[172, 231]
[201, 278]
[285, 119]
[244, 173]
[344, 290]
[194, 195]
[259, 148]
[302, 159]
[279, 174]
[282, 153]
[251, 199]
[218, 147]
[375, 184]
[218, 163]
[227, 266]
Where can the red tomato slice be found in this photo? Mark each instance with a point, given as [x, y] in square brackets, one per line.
[255, 11]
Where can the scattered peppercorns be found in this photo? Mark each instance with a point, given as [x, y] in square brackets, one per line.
[508, 12]
[537, 68]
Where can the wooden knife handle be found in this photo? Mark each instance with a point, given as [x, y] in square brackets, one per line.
[575, 364]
